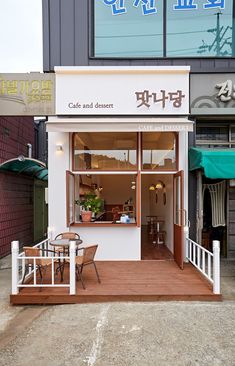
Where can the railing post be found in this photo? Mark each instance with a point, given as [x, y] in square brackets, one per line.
[49, 236]
[72, 274]
[49, 233]
[15, 267]
[186, 248]
[216, 267]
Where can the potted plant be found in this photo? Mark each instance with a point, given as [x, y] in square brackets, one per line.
[91, 204]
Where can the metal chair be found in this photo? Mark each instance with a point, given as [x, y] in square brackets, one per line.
[41, 264]
[67, 235]
[115, 213]
[84, 260]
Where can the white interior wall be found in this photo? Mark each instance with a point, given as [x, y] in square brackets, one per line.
[117, 188]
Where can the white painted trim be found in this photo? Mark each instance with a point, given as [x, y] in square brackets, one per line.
[114, 124]
[122, 69]
[170, 172]
[102, 172]
[112, 120]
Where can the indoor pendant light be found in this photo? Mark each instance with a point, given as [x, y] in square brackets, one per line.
[152, 187]
[159, 185]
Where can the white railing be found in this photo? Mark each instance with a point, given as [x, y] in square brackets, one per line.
[19, 261]
[208, 263]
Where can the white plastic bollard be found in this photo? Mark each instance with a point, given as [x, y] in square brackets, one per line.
[216, 267]
[15, 267]
[72, 274]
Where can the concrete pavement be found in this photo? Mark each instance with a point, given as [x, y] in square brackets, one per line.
[127, 334]
[120, 334]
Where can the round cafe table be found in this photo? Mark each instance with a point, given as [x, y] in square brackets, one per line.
[64, 243]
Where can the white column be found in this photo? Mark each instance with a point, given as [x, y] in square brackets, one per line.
[58, 163]
[72, 274]
[216, 267]
[15, 267]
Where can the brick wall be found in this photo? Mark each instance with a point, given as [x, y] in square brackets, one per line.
[16, 191]
[16, 211]
[15, 133]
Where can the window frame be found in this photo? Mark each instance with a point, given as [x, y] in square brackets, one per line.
[137, 173]
[97, 170]
[161, 170]
[229, 142]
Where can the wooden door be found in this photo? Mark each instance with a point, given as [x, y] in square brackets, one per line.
[179, 218]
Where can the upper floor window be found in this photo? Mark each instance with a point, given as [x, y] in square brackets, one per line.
[123, 29]
[208, 136]
[169, 28]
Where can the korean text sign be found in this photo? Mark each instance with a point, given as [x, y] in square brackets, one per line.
[149, 7]
[122, 91]
[27, 94]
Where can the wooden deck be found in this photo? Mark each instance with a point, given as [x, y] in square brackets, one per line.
[126, 281]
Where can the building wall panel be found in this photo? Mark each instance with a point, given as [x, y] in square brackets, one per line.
[67, 38]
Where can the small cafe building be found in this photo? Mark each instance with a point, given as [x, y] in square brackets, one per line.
[120, 136]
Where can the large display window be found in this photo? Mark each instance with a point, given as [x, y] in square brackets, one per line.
[106, 177]
[121, 30]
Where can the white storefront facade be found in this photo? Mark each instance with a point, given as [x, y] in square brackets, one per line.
[117, 132]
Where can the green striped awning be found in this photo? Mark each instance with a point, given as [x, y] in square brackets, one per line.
[216, 163]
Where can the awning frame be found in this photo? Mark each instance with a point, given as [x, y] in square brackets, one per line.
[18, 167]
[119, 124]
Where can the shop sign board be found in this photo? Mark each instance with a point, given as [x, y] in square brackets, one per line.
[212, 94]
[149, 7]
[31, 94]
[122, 91]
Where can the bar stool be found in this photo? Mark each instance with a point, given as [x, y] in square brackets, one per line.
[159, 236]
[151, 224]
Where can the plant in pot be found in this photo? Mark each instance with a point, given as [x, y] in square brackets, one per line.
[91, 205]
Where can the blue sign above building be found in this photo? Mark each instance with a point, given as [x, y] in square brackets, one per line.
[149, 7]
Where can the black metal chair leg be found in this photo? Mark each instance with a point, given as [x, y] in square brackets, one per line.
[79, 273]
[97, 274]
